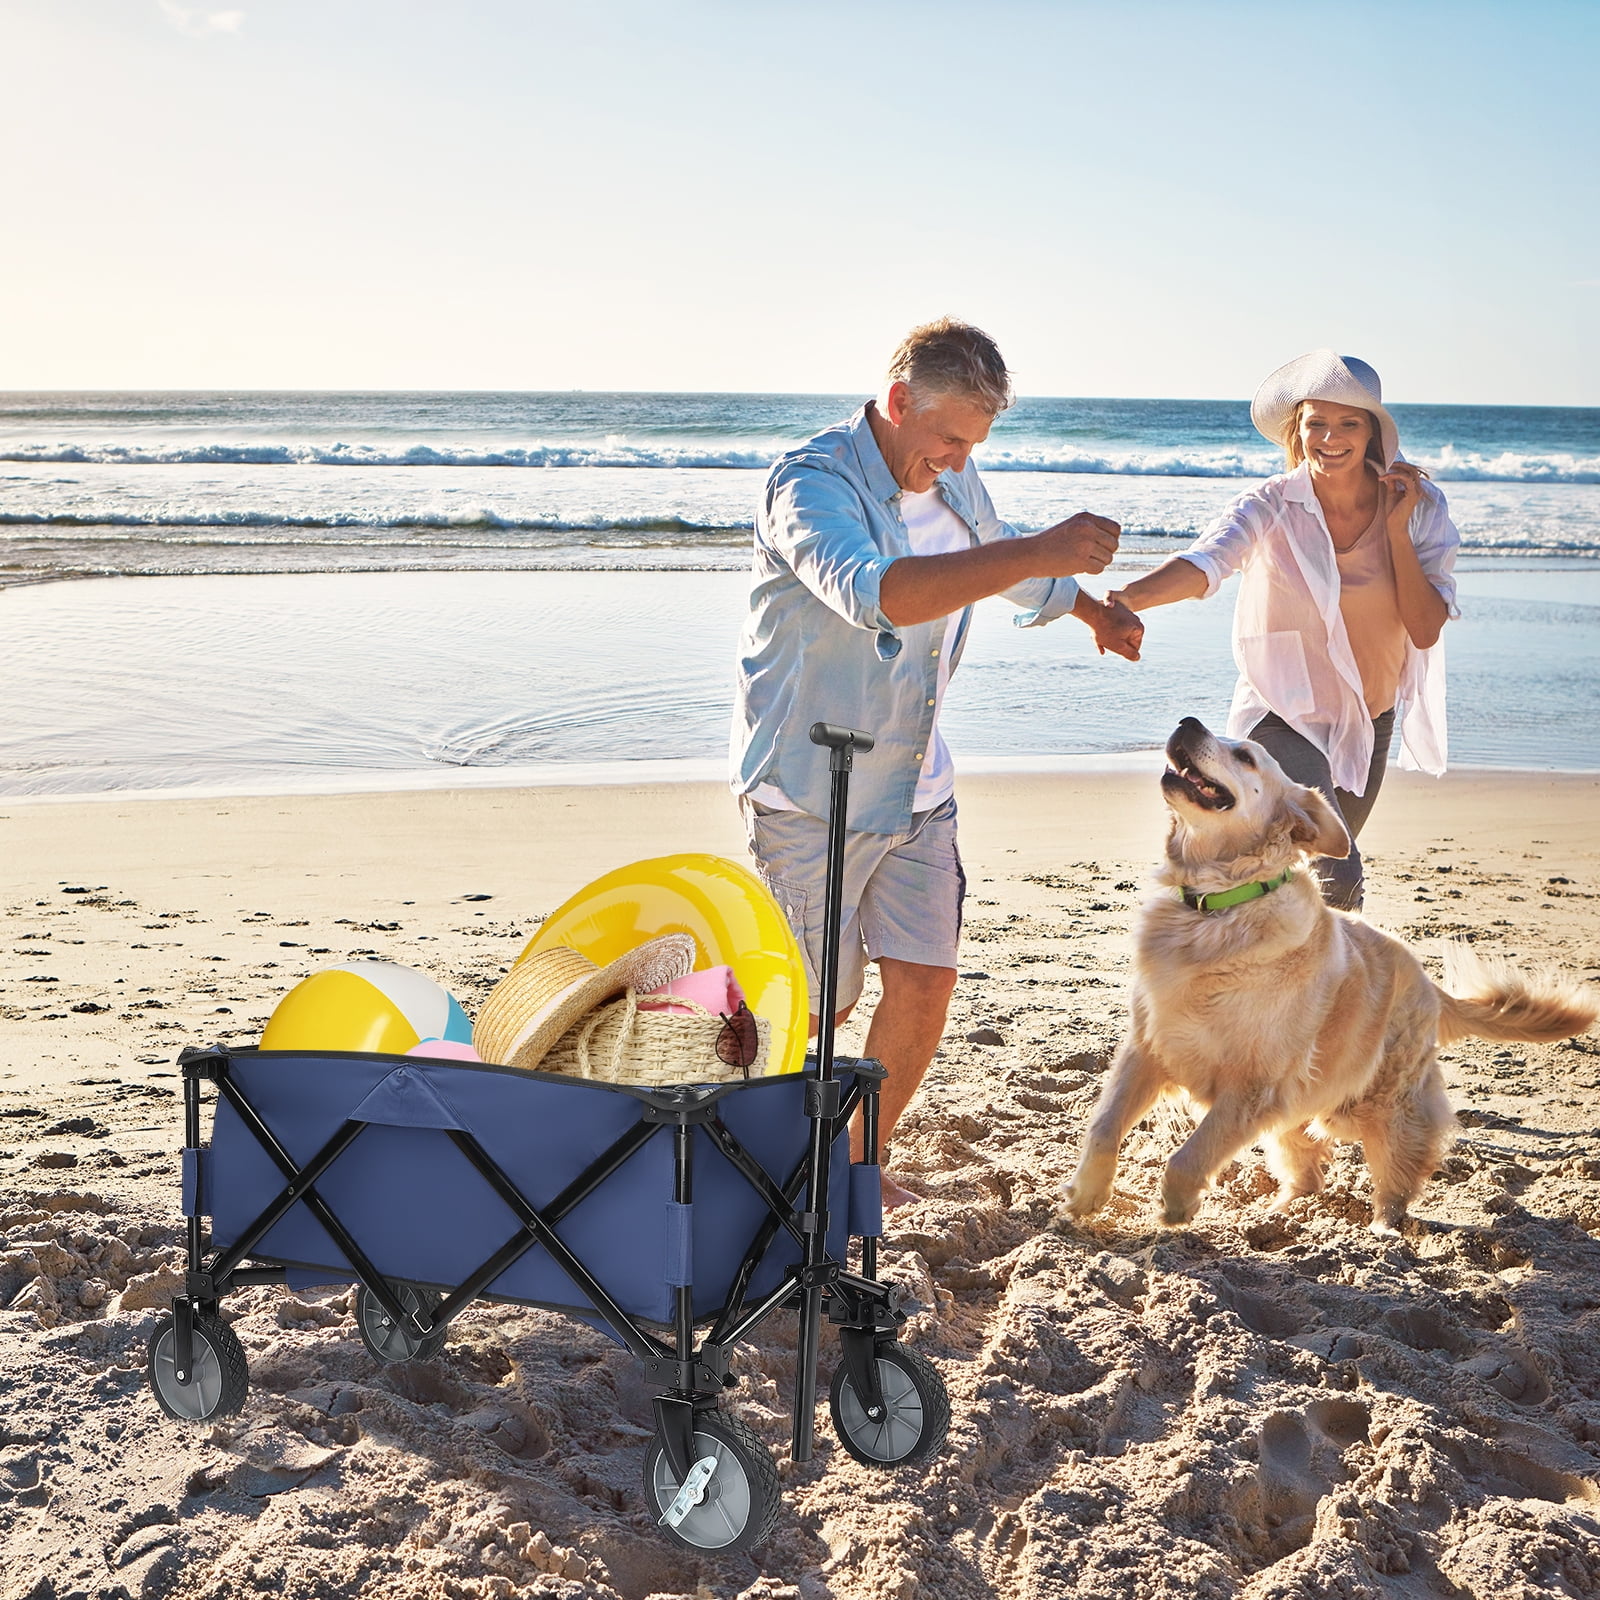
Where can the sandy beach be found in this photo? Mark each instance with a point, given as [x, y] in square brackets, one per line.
[427, 432]
[1258, 1405]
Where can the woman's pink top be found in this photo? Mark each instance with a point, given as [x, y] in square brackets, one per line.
[1369, 602]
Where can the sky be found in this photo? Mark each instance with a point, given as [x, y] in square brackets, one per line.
[1134, 198]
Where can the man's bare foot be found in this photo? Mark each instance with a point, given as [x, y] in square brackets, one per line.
[895, 1194]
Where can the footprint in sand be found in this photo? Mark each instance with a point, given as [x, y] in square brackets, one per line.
[1299, 1461]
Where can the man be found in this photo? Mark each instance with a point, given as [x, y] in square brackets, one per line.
[872, 542]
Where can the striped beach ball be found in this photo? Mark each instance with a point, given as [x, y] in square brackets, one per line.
[365, 1005]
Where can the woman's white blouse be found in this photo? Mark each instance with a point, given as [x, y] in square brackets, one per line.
[1289, 638]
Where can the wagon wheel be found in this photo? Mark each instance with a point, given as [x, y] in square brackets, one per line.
[738, 1504]
[388, 1340]
[916, 1409]
[219, 1379]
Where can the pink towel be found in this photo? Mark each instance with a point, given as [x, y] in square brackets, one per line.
[715, 988]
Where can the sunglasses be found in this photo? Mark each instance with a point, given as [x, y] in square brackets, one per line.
[737, 1040]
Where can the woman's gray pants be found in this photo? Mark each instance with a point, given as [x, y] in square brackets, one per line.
[1305, 763]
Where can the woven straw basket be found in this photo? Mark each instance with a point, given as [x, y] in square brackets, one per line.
[620, 1043]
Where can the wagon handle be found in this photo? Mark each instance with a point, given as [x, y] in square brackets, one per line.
[822, 1098]
[830, 733]
[843, 742]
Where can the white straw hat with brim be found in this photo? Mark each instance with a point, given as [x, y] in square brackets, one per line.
[549, 991]
[1322, 375]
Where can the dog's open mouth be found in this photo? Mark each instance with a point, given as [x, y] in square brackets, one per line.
[1194, 785]
[1184, 777]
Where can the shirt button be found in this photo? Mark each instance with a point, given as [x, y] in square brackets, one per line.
[917, 756]
[930, 702]
[935, 655]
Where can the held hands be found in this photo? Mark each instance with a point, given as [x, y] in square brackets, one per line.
[1116, 627]
[1083, 543]
[1402, 494]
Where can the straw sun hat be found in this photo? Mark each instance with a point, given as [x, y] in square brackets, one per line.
[547, 992]
[1322, 375]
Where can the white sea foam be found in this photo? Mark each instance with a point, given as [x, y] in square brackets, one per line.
[74, 527]
[1451, 465]
[464, 517]
[1447, 464]
[225, 483]
[611, 453]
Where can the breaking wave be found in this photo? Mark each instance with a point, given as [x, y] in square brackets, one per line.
[1447, 464]
[476, 517]
[606, 454]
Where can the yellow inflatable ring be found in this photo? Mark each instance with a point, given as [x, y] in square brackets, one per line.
[734, 920]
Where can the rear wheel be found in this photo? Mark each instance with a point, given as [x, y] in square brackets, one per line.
[218, 1378]
[388, 1340]
[738, 1502]
[916, 1409]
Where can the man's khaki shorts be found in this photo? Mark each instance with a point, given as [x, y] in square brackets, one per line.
[902, 891]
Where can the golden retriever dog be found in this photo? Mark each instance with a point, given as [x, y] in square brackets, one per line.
[1286, 1022]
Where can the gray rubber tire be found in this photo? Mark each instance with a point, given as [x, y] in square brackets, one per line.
[740, 1508]
[221, 1377]
[387, 1340]
[917, 1407]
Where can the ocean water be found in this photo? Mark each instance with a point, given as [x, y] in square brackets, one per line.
[302, 683]
[157, 484]
[348, 591]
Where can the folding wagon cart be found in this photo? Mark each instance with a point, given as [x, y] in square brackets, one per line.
[652, 1214]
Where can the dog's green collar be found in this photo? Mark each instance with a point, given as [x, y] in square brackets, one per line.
[1221, 899]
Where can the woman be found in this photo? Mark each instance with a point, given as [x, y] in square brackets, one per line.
[1346, 562]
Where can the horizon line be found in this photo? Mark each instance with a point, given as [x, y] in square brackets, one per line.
[768, 394]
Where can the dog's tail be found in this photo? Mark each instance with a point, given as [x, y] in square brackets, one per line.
[1500, 1001]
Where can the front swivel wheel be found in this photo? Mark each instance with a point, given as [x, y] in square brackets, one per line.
[217, 1379]
[915, 1413]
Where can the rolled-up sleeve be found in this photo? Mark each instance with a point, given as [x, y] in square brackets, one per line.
[1436, 541]
[1057, 598]
[1221, 550]
[816, 526]
[1043, 599]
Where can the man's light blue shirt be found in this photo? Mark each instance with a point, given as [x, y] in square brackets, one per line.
[816, 646]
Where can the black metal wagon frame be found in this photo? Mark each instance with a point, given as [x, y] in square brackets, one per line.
[709, 1478]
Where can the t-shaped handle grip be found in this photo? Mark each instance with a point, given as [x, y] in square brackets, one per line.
[837, 738]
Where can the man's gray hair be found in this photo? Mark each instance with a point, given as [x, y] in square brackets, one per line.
[951, 358]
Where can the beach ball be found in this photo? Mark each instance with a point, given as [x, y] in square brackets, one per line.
[366, 1005]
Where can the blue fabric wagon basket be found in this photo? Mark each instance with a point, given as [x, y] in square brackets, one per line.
[415, 1189]
[652, 1214]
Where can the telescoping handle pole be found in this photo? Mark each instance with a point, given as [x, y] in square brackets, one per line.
[844, 742]
[822, 1102]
